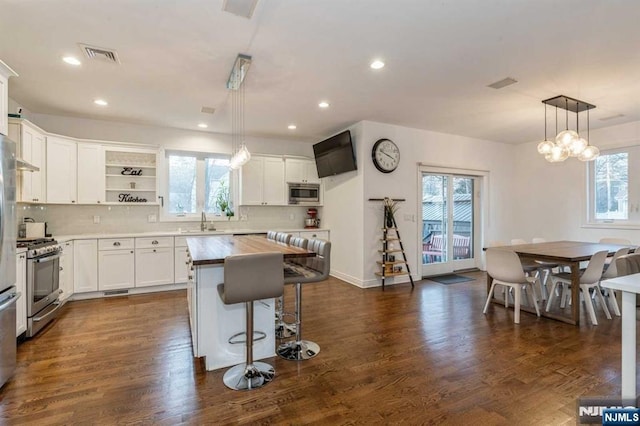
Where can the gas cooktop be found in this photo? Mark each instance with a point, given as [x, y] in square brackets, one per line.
[32, 243]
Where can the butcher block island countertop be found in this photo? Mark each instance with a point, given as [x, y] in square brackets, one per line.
[212, 322]
[214, 249]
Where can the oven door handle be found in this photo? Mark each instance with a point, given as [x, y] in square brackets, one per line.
[10, 301]
[46, 258]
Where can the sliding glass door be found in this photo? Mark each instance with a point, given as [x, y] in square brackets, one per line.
[449, 214]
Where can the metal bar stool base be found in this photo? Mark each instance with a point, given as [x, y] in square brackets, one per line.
[285, 330]
[254, 376]
[298, 350]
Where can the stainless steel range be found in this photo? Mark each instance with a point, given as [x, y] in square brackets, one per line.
[43, 279]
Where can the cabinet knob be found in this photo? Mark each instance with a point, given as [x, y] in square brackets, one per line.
[73, 201]
[98, 201]
[117, 244]
[61, 268]
[131, 252]
[154, 250]
[154, 242]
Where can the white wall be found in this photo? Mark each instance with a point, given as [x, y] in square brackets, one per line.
[358, 242]
[551, 199]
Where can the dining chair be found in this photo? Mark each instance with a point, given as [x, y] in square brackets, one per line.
[608, 240]
[589, 279]
[505, 268]
[283, 237]
[271, 235]
[250, 277]
[531, 267]
[611, 271]
[547, 268]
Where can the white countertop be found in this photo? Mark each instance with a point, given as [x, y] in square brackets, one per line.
[183, 233]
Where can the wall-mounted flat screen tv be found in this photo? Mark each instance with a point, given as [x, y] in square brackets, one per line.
[335, 155]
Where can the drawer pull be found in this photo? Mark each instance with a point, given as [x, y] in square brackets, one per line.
[117, 244]
[154, 242]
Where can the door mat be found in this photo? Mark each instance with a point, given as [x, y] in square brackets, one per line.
[449, 279]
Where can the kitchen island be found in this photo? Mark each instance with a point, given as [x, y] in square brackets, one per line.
[212, 322]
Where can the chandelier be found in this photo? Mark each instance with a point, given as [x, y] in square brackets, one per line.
[240, 155]
[567, 143]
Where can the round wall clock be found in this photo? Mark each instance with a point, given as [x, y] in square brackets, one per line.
[385, 155]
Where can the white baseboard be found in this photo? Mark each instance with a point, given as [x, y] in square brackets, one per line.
[127, 291]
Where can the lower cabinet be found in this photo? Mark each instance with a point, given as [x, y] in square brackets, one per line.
[116, 267]
[323, 235]
[21, 284]
[154, 261]
[181, 260]
[66, 271]
[85, 266]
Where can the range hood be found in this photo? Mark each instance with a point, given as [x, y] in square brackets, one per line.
[24, 166]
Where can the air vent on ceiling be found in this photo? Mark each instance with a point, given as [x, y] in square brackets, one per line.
[100, 53]
[503, 83]
[611, 117]
[207, 110]
[244, 8]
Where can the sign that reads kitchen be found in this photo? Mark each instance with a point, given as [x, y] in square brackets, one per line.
[128, 198]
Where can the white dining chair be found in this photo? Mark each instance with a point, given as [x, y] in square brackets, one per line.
[546, 269]
[608, 240]
[611, 271]
[505, 268]
[531, 267]
[589, 279]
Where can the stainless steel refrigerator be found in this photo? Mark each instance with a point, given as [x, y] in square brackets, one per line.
[8, 229]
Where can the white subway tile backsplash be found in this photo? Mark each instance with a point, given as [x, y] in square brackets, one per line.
[80, 219]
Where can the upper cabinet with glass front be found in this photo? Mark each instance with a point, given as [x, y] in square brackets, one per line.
[130, 176]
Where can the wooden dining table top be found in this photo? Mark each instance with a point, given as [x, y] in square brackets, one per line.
[214, 249]
[561, 251]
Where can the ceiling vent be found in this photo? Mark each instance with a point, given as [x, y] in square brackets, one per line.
[100, 53]
[207, 110]
[611, 117]
[503, 83]
[244, 8]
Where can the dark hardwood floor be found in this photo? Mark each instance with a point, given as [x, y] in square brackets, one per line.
[427, 356]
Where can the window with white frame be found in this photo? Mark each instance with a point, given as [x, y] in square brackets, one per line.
[198, 182]
[610, 198]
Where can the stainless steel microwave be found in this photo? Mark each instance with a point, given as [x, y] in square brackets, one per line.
[304, 193]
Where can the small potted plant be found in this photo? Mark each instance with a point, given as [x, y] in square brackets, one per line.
[223, 202]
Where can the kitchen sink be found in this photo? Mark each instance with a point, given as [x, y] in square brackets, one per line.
[197, 231]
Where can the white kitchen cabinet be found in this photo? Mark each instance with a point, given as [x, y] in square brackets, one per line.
[181, 260]
[310, 235]
[31, 148]
[5, 73]
[21, 284]
[66, 271]
[262, 182]
[62, 165]
[85, 266]
[91, 174]
[301, 171]
[154, 261]
[116, 263]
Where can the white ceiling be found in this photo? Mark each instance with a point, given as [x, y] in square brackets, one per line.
[440, 56]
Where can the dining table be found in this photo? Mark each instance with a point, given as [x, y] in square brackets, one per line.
[213, 323]
[567, 253]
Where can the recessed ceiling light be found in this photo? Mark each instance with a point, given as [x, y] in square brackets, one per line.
[292, 127]
[71, 60]
[203, 125]
[101, 102]
[324, 104]
[377, 64]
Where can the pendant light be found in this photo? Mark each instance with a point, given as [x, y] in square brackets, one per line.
[567, 143]
[240, 154]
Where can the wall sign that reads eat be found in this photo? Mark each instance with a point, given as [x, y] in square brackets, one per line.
[130, 171]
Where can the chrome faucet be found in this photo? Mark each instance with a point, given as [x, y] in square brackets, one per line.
[203, 221]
